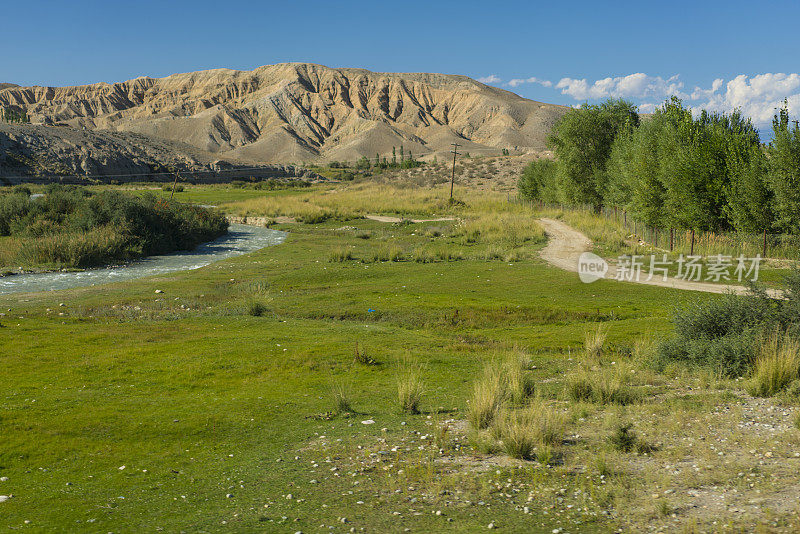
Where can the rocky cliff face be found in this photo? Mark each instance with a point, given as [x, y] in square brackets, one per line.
[30, 153]
[299, 112]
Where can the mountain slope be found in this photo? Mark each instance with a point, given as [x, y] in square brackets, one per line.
[300, 112]
[32, 153]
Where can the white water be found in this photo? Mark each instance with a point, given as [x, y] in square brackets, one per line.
[240, 239]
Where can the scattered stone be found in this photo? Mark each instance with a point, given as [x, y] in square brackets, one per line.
[159, 291]
[368, 422]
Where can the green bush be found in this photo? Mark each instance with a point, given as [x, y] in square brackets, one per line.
[71, 226]
[724, 334]
[538, 181]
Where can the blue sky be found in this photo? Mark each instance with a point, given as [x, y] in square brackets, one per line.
[714, 54]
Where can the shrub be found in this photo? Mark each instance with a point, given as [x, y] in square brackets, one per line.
[538, 181]
[483, 442]
[579, 387]
[776, 366]
[361, 357]
[517, 382]
[396, 254]
[71, 226]
[624, 438]
[256, 309]
[422, 255]
[723, 334]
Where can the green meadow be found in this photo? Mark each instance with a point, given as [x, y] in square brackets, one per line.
[260, 393]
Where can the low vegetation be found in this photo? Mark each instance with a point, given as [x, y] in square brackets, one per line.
[281, 391]
[74, 227]
[724, 334]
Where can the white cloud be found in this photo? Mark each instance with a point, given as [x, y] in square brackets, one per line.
[757, 97]
[638, 85]
[492, 78]
[699, 93]
[533, 79]
[647, 107]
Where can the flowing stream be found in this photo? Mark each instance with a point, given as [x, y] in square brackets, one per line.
[240, 239]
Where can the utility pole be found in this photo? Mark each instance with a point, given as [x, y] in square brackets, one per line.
[177, 173]
[453, 178]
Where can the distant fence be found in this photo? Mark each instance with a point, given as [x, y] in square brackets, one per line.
[783, 246]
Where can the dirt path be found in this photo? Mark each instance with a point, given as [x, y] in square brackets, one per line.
[567, 244]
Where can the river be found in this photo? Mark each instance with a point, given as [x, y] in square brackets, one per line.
[240, 239]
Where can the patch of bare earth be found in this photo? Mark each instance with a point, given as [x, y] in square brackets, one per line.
[722, 461]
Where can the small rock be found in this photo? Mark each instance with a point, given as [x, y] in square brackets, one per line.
[4, 498]
[368, 422]
[229, 495]
[159, 291]
[491, 526]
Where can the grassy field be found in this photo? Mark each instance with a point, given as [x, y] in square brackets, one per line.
[239, 397]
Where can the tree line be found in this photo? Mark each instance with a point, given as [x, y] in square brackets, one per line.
[707, 172]
[405, 161]
[9, 115]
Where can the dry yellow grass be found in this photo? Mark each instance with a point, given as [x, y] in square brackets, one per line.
[777, 365]
[536, 425]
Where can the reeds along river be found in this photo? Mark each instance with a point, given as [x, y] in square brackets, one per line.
[240, 239]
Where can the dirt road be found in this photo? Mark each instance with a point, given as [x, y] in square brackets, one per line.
[566, 244]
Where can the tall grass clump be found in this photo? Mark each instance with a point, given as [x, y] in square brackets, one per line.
[340, 398]
[340, 254]
[504, 380]
[518, 383]
[776, 366]
[607, 385]
[523, 431]
[410, 388]
[595, 344]
[485, 401]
